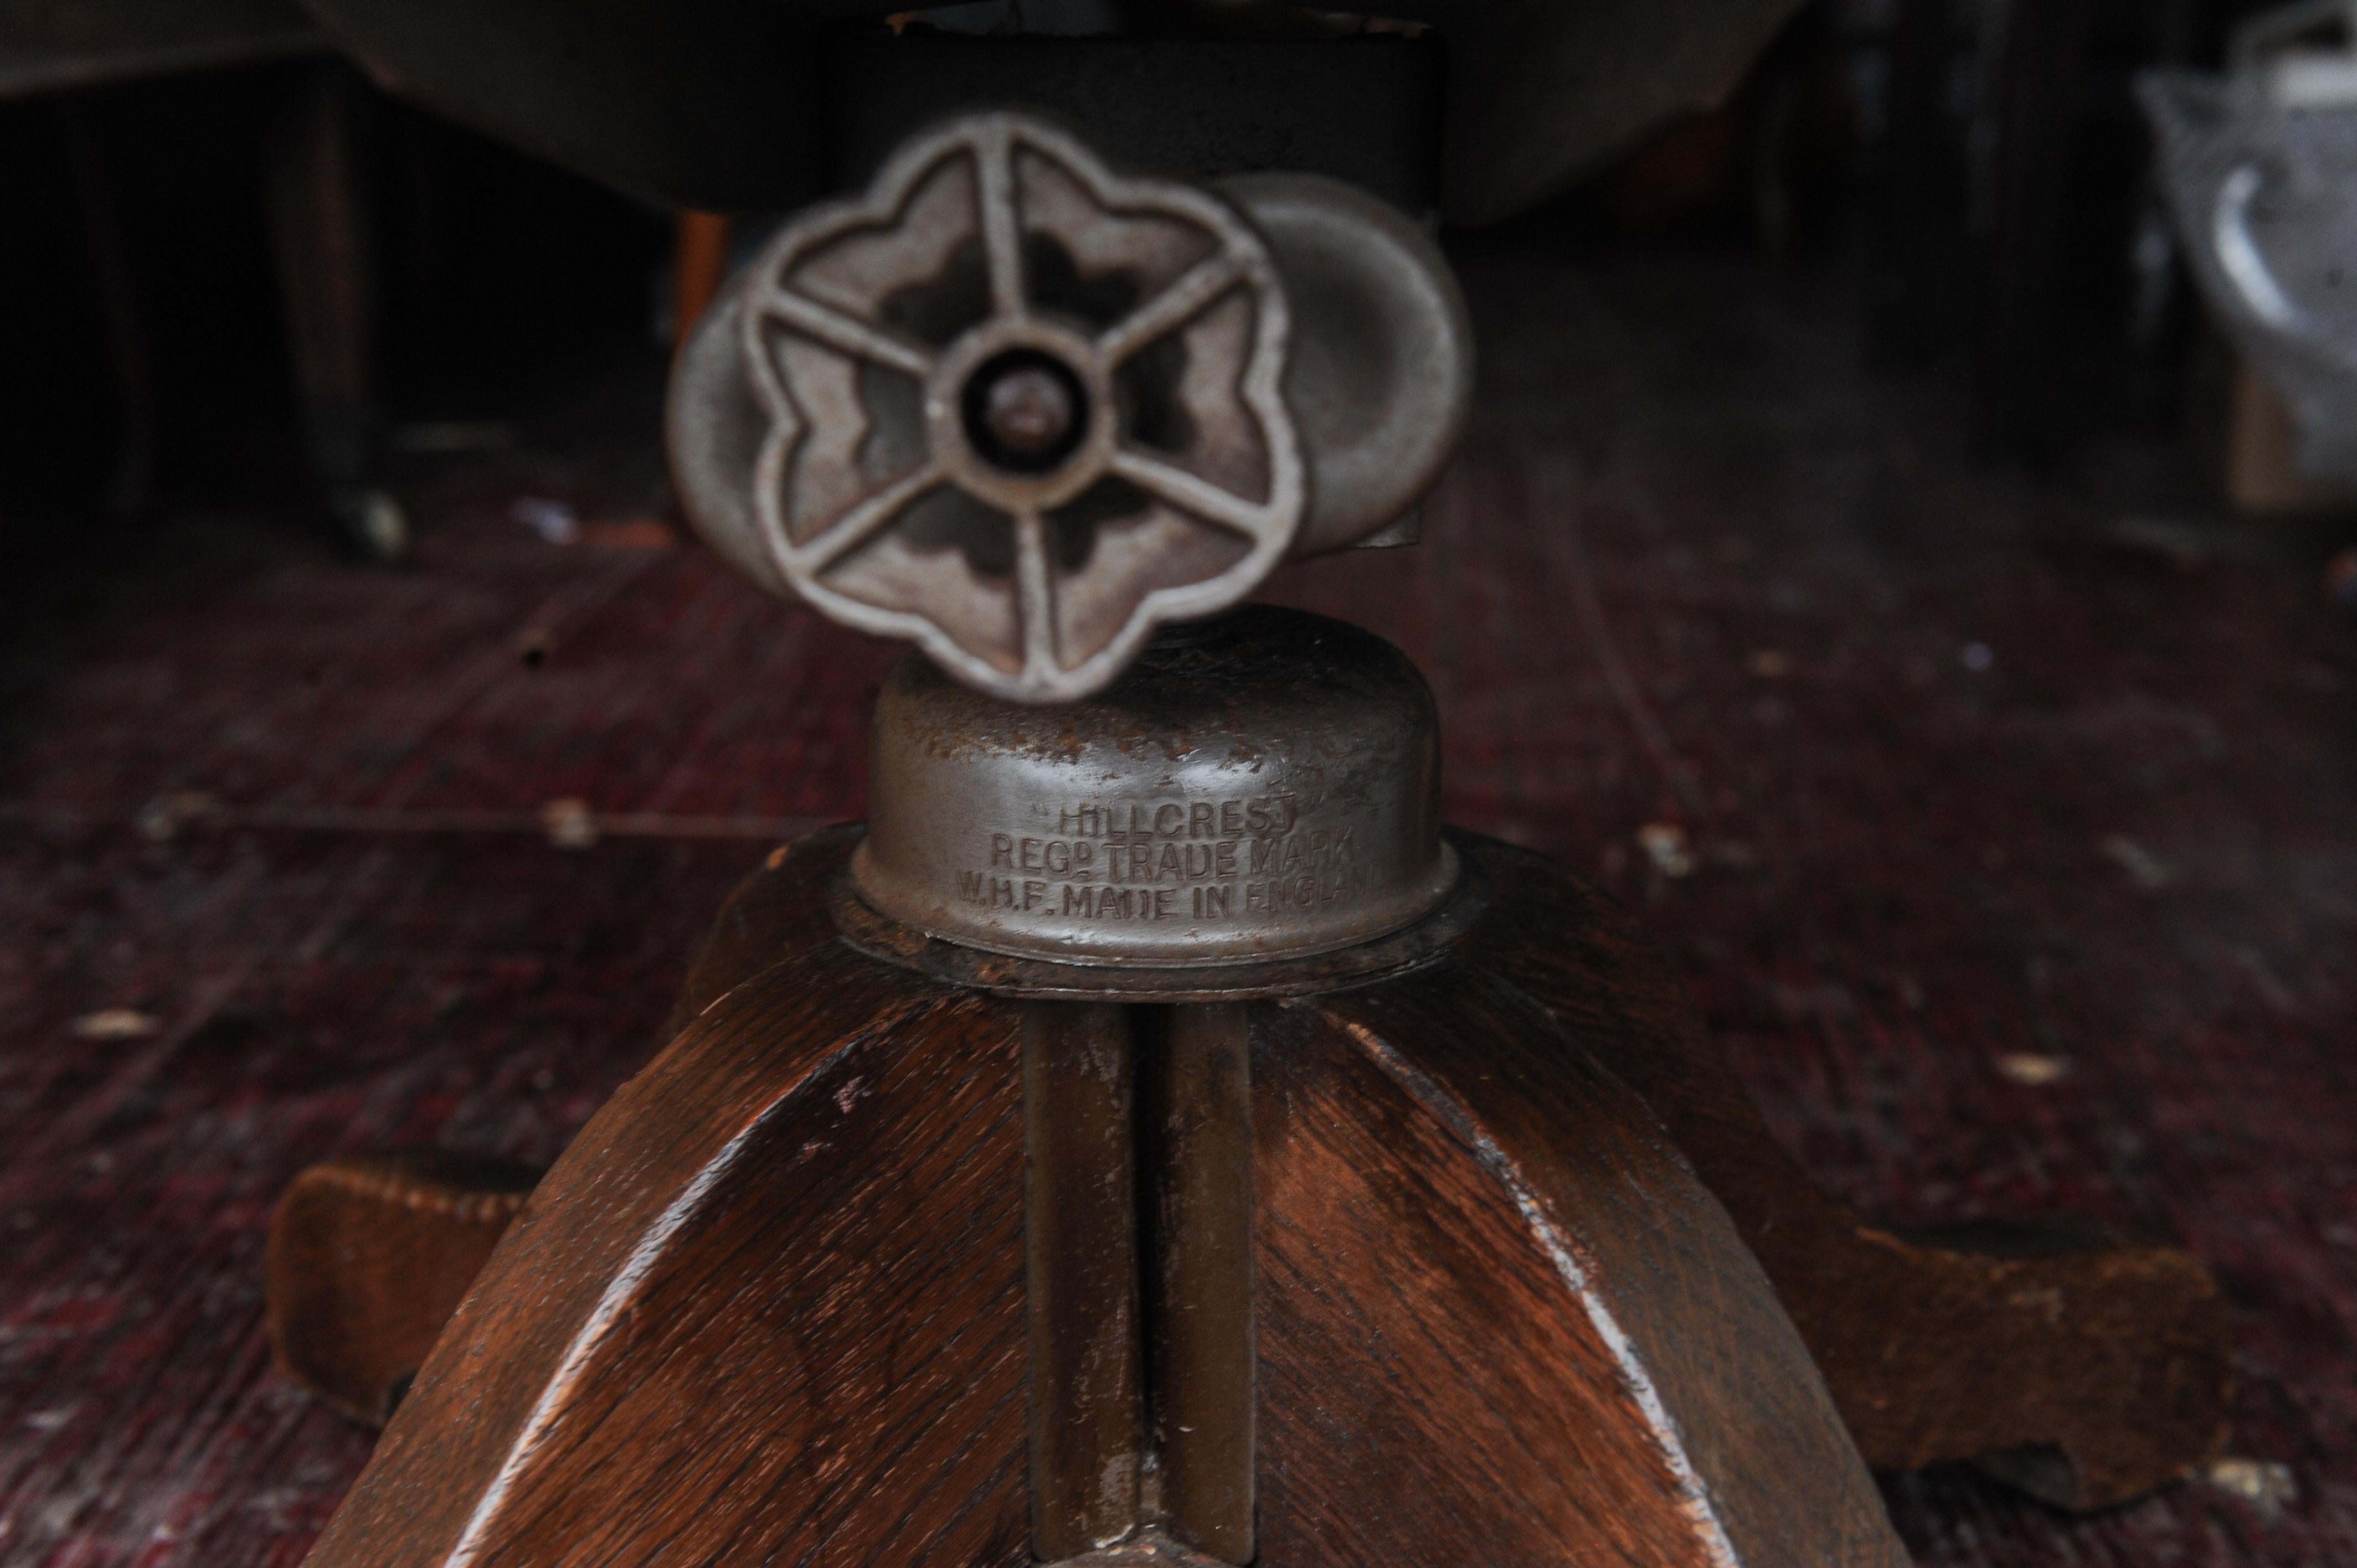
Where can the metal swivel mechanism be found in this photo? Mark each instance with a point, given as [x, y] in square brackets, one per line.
[1153, 1137]
[1052, 422]
[1022, 410]
[1026, 411]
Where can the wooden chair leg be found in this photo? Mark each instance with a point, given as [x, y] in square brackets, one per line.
[772, 1293]
[370, 1256]
[2079, 1366]
[1487, 1310]
[1501, 1321]
[788, 1293]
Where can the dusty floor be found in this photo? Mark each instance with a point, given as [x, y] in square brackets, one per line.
[2015, 861]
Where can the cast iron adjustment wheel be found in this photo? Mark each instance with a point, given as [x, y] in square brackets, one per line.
[1022, 409]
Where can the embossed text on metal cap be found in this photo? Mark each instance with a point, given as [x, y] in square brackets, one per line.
[1262, 786]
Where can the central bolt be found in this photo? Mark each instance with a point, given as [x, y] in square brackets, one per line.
[1025, 411]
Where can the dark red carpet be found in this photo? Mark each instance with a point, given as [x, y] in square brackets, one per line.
[2015, 861]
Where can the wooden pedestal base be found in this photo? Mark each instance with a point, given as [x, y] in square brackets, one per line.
[868, 1269]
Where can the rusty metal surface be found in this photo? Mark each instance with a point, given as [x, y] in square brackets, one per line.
[1081, 1279]
[1138, 1239]
[901, 346]
[1051, 980]
[1261, 786]
[1148, 1549]
[705, 104]
[1026, 478]
[1197, 1129]
[1382, 371]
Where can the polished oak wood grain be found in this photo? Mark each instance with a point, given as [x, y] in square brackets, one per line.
[2081, 1365]
[1501, 1322]
[369, 1257]
[767, 1306]
[1497, 1294]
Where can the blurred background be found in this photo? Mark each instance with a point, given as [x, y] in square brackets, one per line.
[1881, 555]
